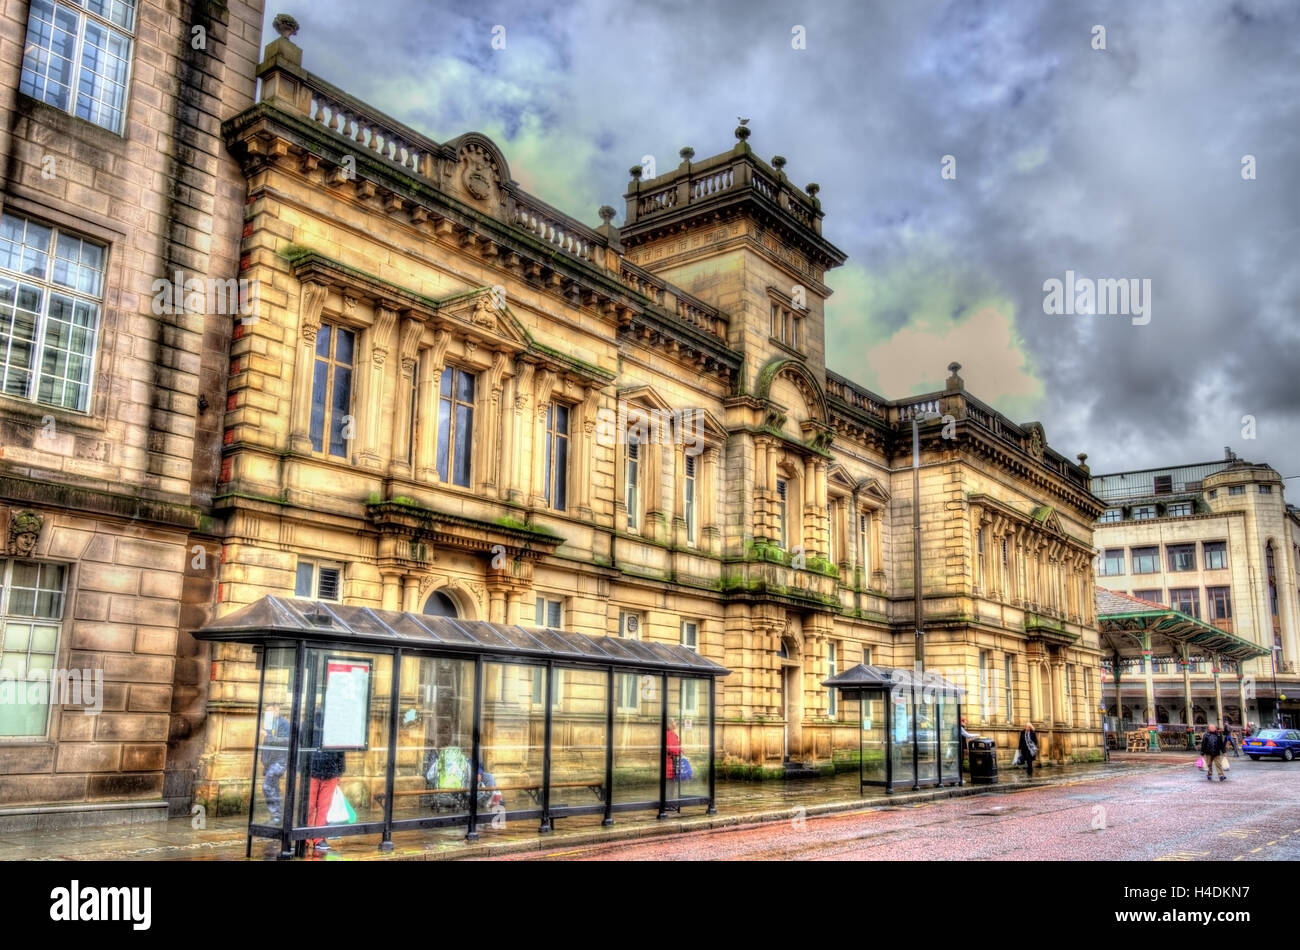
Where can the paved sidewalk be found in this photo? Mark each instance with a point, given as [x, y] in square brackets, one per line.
[224, 839]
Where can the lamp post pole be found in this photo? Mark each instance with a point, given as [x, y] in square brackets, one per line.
[918, 417]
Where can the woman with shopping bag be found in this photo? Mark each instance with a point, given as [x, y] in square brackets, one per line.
[324, 769]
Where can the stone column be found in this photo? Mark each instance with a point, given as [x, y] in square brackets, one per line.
[489, 427]
[808, 522]
[519, 484]
[311, 303]
[392, 591]
[497, 605]
[411, 594]
[543, 386]
[408, 352]
[1187, 684]
[582, 449]
[1241, 693]
[381, 334]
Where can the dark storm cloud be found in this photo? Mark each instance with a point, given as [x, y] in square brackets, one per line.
[1115, 163]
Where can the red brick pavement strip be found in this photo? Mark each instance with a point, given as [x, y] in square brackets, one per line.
[1165, 815]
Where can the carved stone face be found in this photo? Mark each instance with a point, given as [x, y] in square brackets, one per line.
[24, 544]
[477, 175]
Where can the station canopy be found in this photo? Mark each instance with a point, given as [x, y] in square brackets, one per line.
[1119, 614]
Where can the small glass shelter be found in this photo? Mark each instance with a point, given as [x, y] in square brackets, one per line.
[909, 726]
[392, 709]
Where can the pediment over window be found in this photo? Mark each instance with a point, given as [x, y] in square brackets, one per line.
[872, 489]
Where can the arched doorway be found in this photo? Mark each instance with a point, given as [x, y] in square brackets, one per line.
[791, 665]
[440, 605]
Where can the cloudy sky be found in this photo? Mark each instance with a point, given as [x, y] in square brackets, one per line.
[1117, 163]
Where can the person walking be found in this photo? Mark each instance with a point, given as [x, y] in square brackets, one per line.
[1212, 749]
[275, 759]
[1028, 747]
[324, 769]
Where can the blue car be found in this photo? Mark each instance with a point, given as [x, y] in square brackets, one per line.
[1283, 742]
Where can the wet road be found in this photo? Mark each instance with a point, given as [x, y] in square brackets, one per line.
[1170, 814]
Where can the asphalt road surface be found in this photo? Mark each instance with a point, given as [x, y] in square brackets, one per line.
[1166, 814]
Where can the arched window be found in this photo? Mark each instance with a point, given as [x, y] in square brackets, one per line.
[440, 605]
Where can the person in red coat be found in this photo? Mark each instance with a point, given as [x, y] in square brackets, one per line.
[674, 747]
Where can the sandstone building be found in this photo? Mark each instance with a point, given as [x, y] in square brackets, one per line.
[114, 178]
[461, 401]
[1217, 542]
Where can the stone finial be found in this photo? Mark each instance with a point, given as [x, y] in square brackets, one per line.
[742, 130]
[687, 153]
[812, 188]
[955, 382]
[285, 25]
[778, 162]
[1083, 458]
[606, 213]
[635, 171]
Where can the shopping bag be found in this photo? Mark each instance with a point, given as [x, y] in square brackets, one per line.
[340, 812]
[1200, 763]
[1226, 766]
[685, 771]
[1017, 760]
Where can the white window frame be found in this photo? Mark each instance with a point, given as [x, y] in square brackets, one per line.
[690, 499]
[691, 642]
[316, 568]
[542, 605]
[85, 17]
[32, 620]
[46, 285]
[1009, 669]
[623, 616]
[985, 658]
[632, 482]
[782, 507]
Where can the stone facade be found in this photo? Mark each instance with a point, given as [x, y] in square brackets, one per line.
[765, 510]
[118, 470]
[1238, 509]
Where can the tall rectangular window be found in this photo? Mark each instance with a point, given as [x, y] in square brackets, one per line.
[1010, 669]
[331, 390]
[688, 500]
[691, 635]
[31, 619]
[866, 655]
[455, 425]
[1146, 560]
[51, 288]
[632, 490]
[832, 668]
[1219, 602]
[557, 456]
[78, 56]
[1112, 561]
[1182, 557]
[864, 546]
[985, 657]
[1069, 694]
[1087, 697]
[1215, 554]
[780, 512]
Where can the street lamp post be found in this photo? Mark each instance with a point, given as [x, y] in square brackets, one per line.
[1277, 705]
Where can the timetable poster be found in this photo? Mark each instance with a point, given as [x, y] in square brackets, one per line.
[347, 703]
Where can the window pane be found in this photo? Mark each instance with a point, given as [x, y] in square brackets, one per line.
[303, 583]
[47, 60]
[561, 474]
[444, 433]
[344, 343]
[464, 386]
[342, 403]
[45, 639]
[17, 636]
[464, 436]
[320, 377]
[553, 618]
[323, 341]
[101, 84]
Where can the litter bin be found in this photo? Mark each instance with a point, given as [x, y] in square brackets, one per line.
[983, 761]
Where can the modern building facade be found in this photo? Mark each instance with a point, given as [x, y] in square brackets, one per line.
[116, 186]
[1217, 542]
[461, 401]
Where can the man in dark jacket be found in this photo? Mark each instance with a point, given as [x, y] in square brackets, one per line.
[275, 759]
[1212, 750]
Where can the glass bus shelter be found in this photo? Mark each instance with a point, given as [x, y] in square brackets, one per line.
[909, 726]
[392, 709]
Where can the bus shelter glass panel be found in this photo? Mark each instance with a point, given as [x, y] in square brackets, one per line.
[927, 735]
[578, 732]
[900, 727]
[514, 736]
[273, 731]
[343, 743]
[874, 726]
[435, 737]
[638, 705]
[949, 737]
[688, 737]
